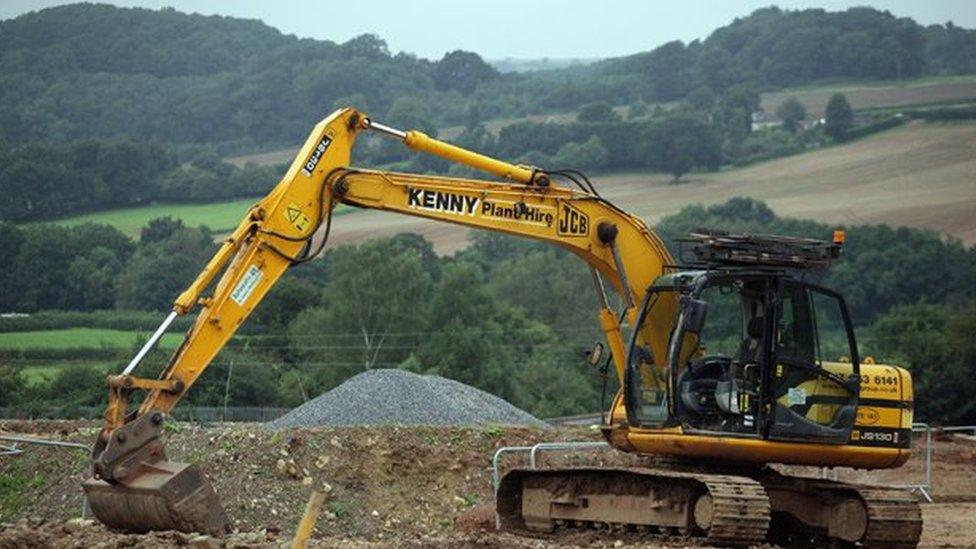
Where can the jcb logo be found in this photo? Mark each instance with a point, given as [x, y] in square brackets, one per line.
[572, 222]
[867, 416]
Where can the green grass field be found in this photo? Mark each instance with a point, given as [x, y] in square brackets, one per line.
[36, 371]
[75, 338]
[41, 373]
[221, 217]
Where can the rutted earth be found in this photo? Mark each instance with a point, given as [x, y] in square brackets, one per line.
[385, 487]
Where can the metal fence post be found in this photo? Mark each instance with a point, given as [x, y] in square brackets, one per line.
[85, 510]
[926, 487]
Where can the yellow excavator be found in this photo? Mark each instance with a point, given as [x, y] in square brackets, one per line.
[728, 359]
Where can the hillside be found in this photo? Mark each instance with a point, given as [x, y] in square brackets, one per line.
[95, 71]
[861, 95]
[921, 175]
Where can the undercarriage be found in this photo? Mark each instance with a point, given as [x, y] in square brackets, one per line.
[712, 507]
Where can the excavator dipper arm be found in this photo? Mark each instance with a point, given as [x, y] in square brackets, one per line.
[135, 487]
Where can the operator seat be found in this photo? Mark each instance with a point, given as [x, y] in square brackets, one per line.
[749, 348]
[742, 371]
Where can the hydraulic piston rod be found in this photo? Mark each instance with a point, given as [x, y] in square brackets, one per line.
[420, 141]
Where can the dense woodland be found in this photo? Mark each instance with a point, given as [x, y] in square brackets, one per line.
[96, 71]
[46, 181]
[506, 315]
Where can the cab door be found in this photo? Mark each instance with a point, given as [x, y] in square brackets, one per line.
[813, 383]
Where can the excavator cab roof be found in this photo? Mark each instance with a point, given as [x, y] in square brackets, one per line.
[704, 254]
[720, 250]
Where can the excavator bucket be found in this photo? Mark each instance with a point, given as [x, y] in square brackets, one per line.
[165, 495]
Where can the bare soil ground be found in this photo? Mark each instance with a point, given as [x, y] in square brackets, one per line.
[386, 487]
[867, 96]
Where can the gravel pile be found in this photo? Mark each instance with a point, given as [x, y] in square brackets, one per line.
[399, 397]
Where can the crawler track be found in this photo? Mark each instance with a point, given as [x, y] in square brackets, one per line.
[716, 509]
[895, 518]
[821, 512]
[741, 510]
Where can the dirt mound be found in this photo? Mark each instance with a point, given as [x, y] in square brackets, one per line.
[398, 397]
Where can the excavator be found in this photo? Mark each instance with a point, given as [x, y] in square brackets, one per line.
[729, 360]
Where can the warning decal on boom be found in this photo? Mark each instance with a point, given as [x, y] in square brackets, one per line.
[297, 218]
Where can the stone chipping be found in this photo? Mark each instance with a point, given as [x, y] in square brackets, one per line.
[399, 397]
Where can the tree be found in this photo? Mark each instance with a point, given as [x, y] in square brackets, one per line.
[159, 271]
[556, 384]
[667, 70]
[791, 112]
[217, 81]
[92, 280]
[286, 300]
[76, 385]
[600, 111]
[564, 303]
[736, 107]
[373, 306]
[11, 239]
[368, 46]
[12, 383]
[474, 338]
[357, 101]
[935, 342]
[463, 71]
[159, 229]
[42, 268]
[590, 154]
[839, 117]
[410, 113]
[681, 142]
[701, 98]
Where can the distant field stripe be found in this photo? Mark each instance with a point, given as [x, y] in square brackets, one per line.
[48, 370]
[71, 338]
[219, 216]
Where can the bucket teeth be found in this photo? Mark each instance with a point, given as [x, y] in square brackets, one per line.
[164, 496]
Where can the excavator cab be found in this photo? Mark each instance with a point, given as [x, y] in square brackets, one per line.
[754, 351]
[756, 364]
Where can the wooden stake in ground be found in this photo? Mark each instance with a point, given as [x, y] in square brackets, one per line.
[307, 524]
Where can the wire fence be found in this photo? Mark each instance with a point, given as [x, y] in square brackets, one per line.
[195, 414]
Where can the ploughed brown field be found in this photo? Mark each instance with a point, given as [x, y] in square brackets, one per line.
[920, 175]
[873, 96]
